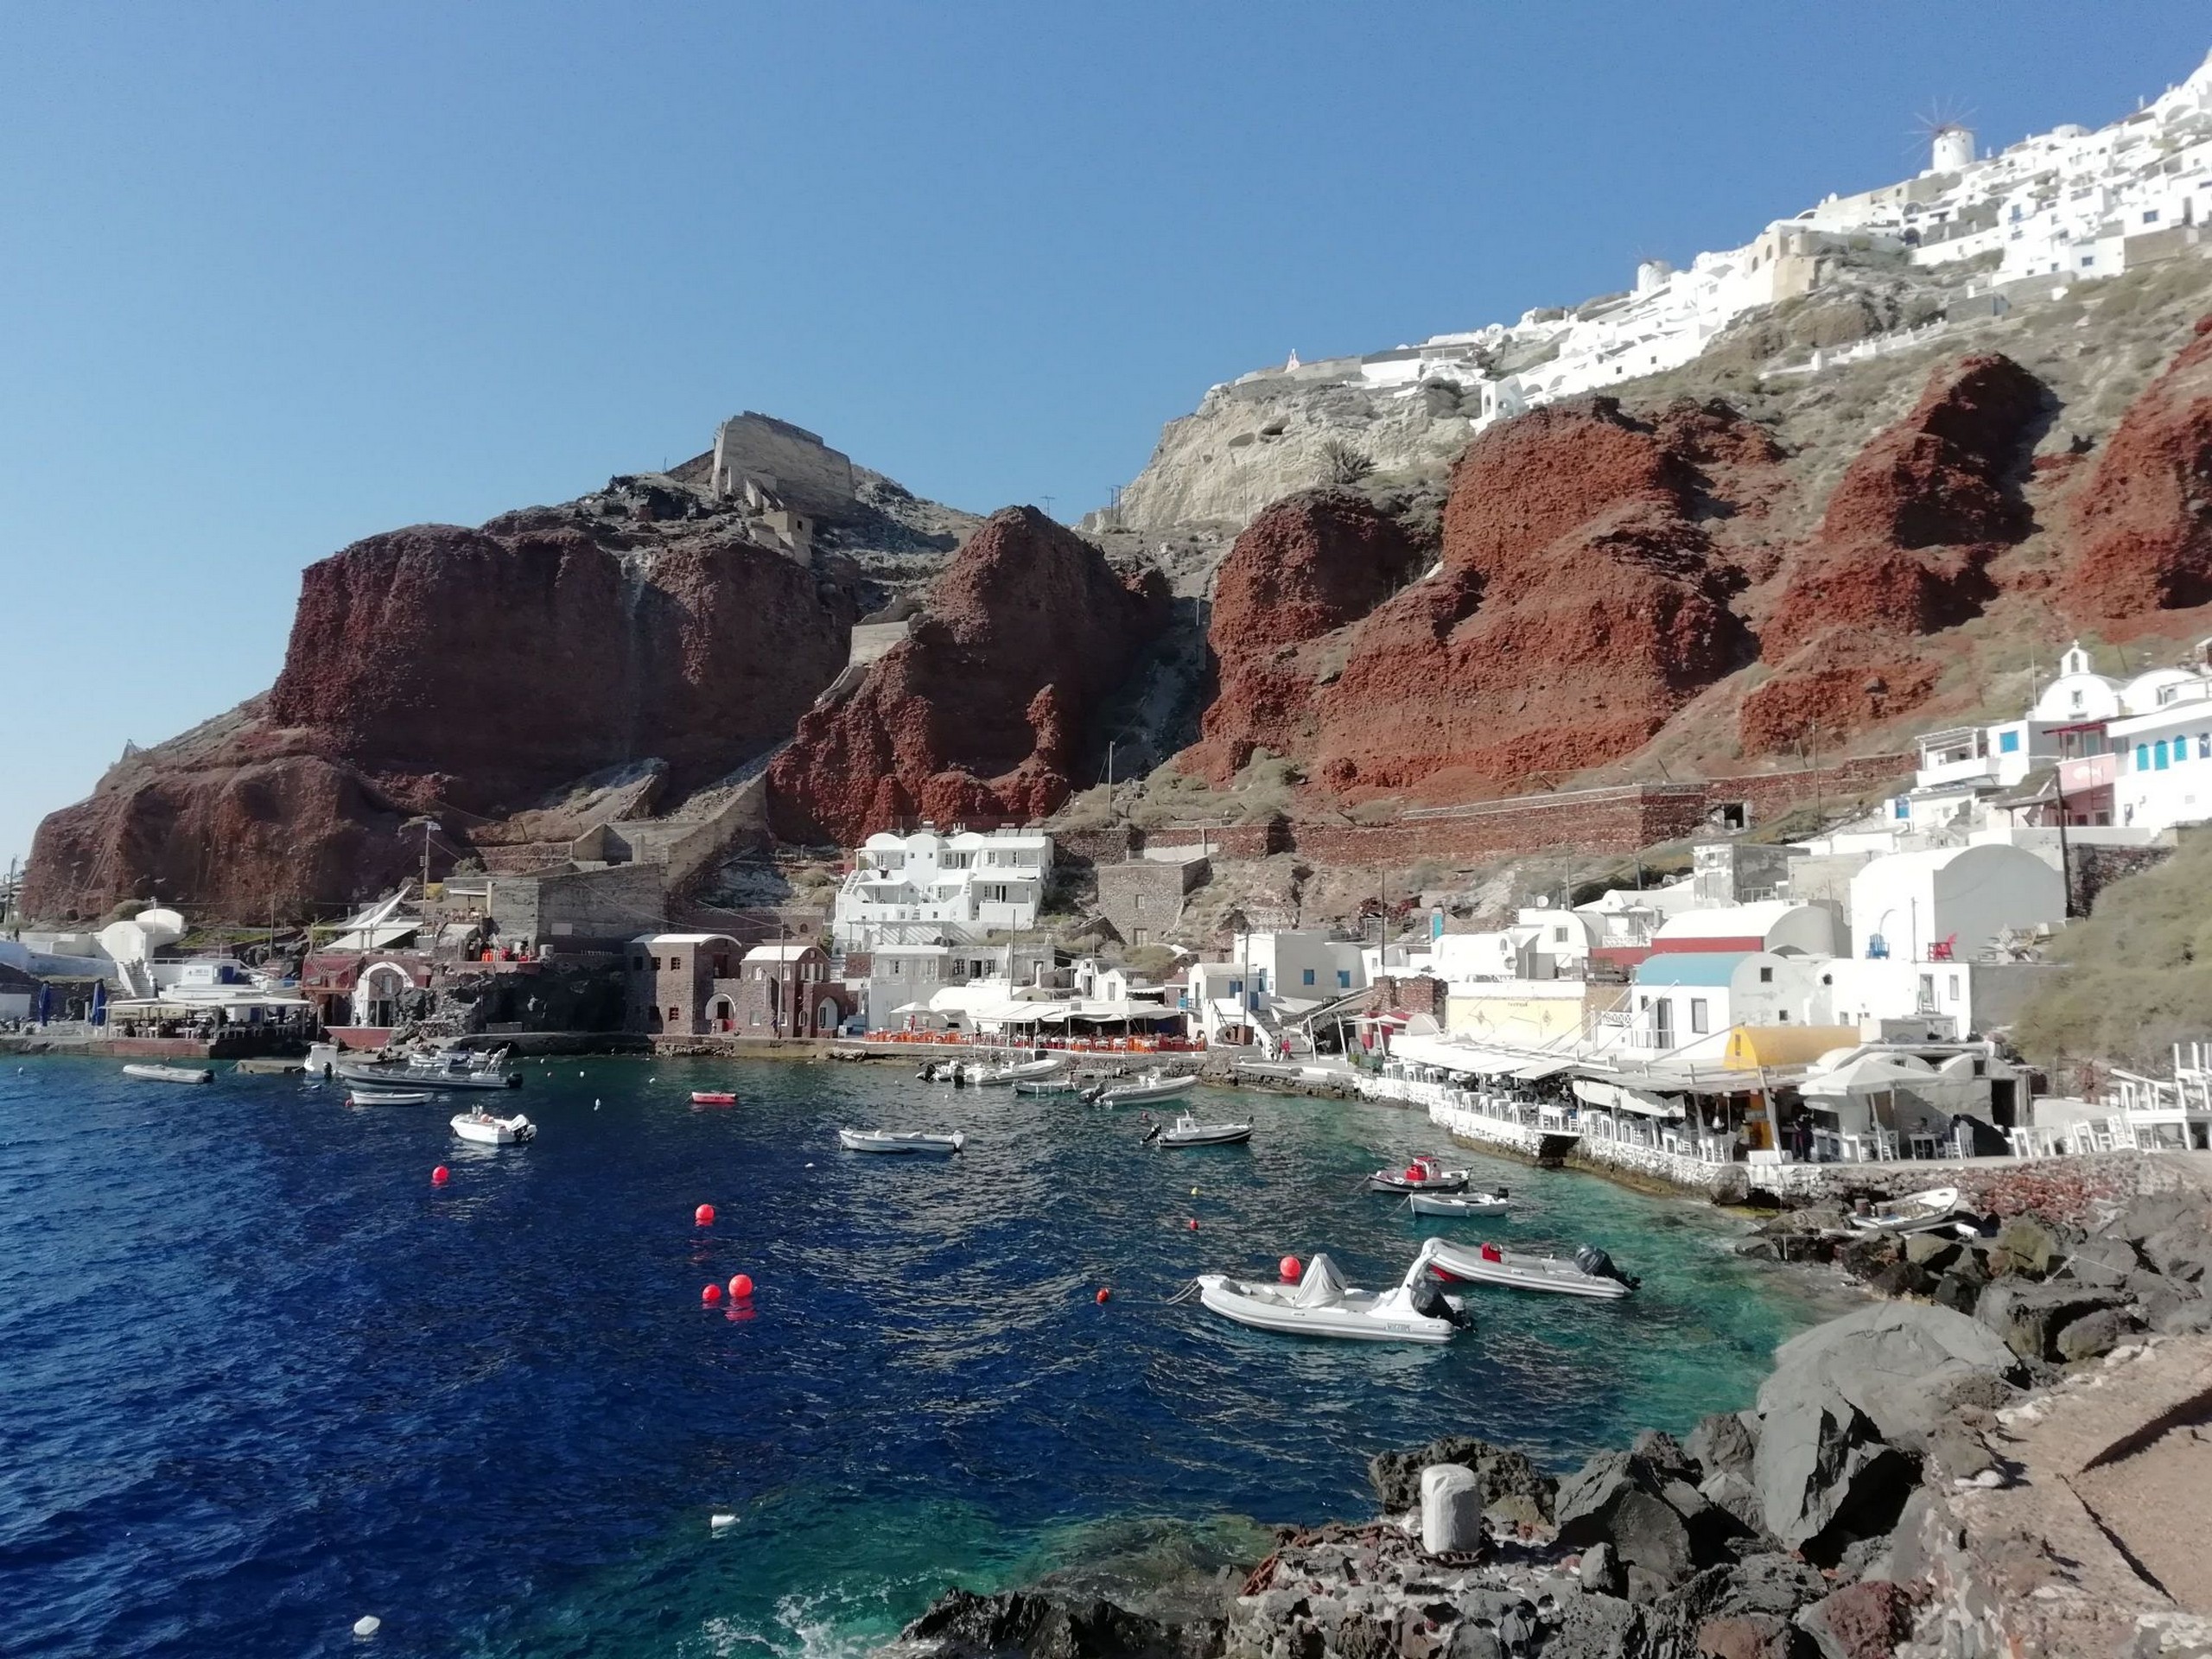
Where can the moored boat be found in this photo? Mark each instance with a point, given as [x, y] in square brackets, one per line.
[1916, 1212]
[1154, 1086]
[150, 1073]
[892, 1141]
[361, 1095]
[1320, 1304]
[487, 1128]
[1187, 1131]
[1459, 1207]
[1021, 1070]
[1422, 1174]
[713, 1098]
[1590, 1272]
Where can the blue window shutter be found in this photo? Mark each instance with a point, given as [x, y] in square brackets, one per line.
[2142, 757]
[2008, 742]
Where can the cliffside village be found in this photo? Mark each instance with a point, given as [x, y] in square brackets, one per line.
[1840, 998]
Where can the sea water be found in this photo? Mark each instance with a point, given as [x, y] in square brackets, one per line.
[260, 1376]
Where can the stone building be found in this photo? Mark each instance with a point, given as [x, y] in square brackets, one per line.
[1142, 897]
[781, 990]
[673, 977]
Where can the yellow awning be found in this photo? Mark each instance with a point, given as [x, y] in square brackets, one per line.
[1753, 1046]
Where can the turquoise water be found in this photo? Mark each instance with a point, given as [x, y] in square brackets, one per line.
[258, 1376]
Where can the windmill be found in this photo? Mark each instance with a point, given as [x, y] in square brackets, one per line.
[1945, 136]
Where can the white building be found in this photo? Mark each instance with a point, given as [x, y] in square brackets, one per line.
[2162, 757]
[1766, 924]
[929, 888]
[1684, 1001]
[1543, 943]
[1950, 902]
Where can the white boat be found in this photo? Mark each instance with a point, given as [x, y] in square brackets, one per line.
[1460, 1205]
[362, 1095]
[892, 1140]
[1187, 1131]
[1320, 1304]
[1916, 1212]
[1590, 1272]
[1154, 1086]
[1021, 1072]
[170, 1073]
[1046, 1086]
[488, 1129]
[1422, 1174]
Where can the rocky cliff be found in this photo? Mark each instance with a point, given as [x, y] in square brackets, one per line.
[983, 710]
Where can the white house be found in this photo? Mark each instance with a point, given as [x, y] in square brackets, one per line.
[928, 887]
[1766, 924]
[1950, 902]
[2162, 757]
[1681, 997]
[1543, 943]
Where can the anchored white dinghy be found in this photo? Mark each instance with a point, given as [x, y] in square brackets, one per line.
[488, 1129]
[362, 1095]
[1458, 1206]
[1916, 1212]
[1153, 1086]
[1187, 1131]
[1423, 1174]
[168, 1073]
[891, 1140]
[1591, 1273]
[1321, 1305]
[1021, 1072]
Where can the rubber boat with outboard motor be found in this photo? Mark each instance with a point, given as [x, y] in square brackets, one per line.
[488, 1129]
[1187, 1131]
[1460, 1206]
[1590, 1272]
[168, 1073]
[1421, 1175]
[1154, 1086]
[1320, 1304]
[900, 1141]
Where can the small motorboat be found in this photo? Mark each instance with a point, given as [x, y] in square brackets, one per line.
[898, 1141]
[1592, 1271]
[170, 1073]
[1021, 1072]
[713, 1098]
[1320, 1304]
[361, 1095]
[1461, 1205]
[487, 1128]
[1187, 1131]
[1046, 1086]
[1154, 1086]
[1422, 1174]
[1916, 1212]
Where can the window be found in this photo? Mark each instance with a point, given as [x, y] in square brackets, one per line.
[638, 963]
[1558, 936]
[672, 1014]
[2150, 215]
[1236, 987]
[1344, 979]
[1766, 975]
[1260, 980]
[2142, 757]
[1954, 988]
[1143, 937]
[2158, 755]
[2008, 742]
[1307, 979]
[1697, 1016]
[2204, 746]
[1140, 904]
[2078, 700]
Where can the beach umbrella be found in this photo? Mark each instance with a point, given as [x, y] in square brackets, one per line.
[45, 1003]
[99, 1002]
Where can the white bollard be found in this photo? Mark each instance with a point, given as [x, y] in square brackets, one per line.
[1450, 1509]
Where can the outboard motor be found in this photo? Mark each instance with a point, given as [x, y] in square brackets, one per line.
[1432, 1304]
[1589, 1259]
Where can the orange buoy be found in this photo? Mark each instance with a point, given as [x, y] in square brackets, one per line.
[704, 1214]
[440, 1175]
[741, 1287]
[1103, 1294]
[1291, 1269]
[711, 1294]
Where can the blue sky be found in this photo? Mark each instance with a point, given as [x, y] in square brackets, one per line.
[274, 278]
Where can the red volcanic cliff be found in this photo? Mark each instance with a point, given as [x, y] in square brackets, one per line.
[980, 712]
[2143, 524]
[1304, 568]
[1580, 602]
[437, 668]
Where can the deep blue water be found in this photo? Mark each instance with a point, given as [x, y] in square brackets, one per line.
[258, 1376]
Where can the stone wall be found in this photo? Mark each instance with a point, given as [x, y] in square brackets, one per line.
[2095, 867]
[1143, 897]
[790, 460]
[1770, 794]
[578, 910]
[1581, 821]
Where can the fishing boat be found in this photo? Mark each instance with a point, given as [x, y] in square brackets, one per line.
[1916, 1212]
[900, 1141]
[1590, 1272]
[487, 1128]
[170, 1073]
[1187, 1131]
[1422, 1174]
[713, 1098]
[361, 1095]
[1154, 1086]
[1458, 1206]
[1020, 1071]
[1320, 1304]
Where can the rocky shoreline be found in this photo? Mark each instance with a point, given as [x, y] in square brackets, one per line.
[1999, 1457]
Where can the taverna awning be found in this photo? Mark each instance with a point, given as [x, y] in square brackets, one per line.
[1870, 1074]
[1621, 1098]
[1753, 1046]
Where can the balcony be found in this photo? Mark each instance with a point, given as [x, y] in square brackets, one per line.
[2083, 773]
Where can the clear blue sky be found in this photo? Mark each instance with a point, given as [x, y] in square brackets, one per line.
[273, 277]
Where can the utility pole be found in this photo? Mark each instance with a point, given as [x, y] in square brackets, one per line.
[1820, 811]
[2065, 857]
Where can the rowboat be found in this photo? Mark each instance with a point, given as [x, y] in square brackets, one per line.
[487, 1129]
[713, 1098]
[1592, 1271]
[1021, 1072]
[1320, 1304]
[362, 1096]
[1187, 1131]
[170, 1073]
[898, 1141]
[1916, 1212]
[1154, 1086]
[1046, 1086]
[1422, 1174]
[1485, 1204]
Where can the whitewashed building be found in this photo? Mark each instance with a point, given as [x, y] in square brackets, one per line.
[1950, 902]
[933, 887]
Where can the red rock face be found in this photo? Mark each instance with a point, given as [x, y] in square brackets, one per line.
[438, 668]
[2143, 524]
[1304, 568]
[980, 712]
[1579, 603]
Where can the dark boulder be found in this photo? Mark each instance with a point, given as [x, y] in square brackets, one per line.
[1726, 1439]
[964, 1625]
[1861, 1621]
[2106, 1263]
[2095, 1335]
[1898, 1364]
[2027, 1318]
[1753, 1635]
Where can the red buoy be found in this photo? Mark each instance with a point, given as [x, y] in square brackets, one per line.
[1102, 1294]
[741, 1287]
[1194, 1224]
[711, 1294]
[704, 1214]
[1291, 1269]
[440, 1175]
